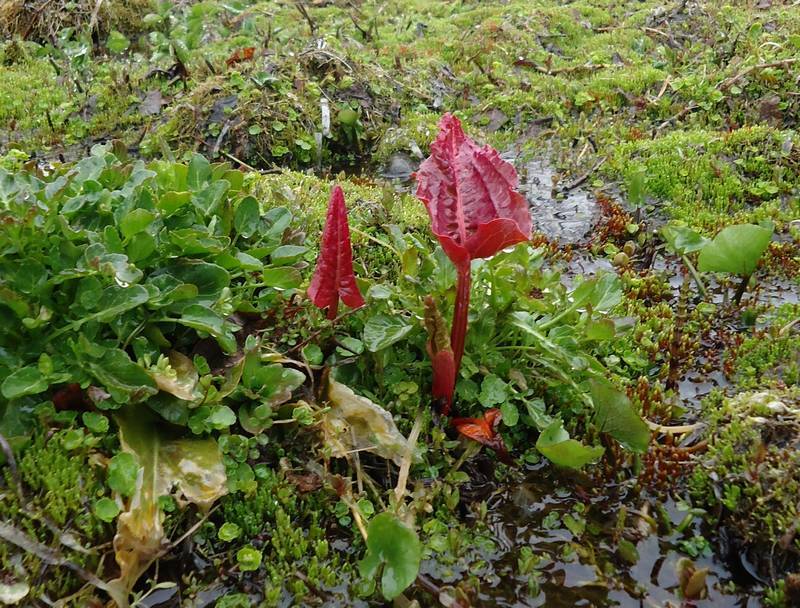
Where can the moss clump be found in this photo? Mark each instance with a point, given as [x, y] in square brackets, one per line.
[750, 475]
[771, 355]
[59, 486]
[294, 542]
[41, 20]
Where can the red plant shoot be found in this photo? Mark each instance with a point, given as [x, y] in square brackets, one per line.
[333, 278]
[475, 210]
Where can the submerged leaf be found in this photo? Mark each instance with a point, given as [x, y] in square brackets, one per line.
[555, 444]
[356, 423]
[193, 468]
[333, 278]
[470, 194]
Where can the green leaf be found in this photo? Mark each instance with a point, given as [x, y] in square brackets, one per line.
[614, 415]
[246, 217]
[210, 279]
[228, 532]
[607, 293]
[122, 473]
[106, 509]
[381, 331]
[281, 277]
[117, 42]
[287, 254]
[204, 319]
[395, 546]
[25, 381]
[136, 221]
[682, 239]
[248, 558]
[116, 300]
[494, 391]
[170, 202]
[600, 329]
[510, 414]
[95, 422]
[221, 418]
[124, 379]
[199, 172]
[736, 250]
[555, 444]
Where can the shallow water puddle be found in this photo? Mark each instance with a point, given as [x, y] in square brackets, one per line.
[566, 220]
[572, 527]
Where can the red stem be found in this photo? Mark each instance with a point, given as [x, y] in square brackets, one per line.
[333, 309]
[458, 333]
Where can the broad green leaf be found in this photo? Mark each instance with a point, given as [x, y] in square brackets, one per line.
[124, 379]
[614, 415]
[208, 200]
[95, 422]
[246, 217]
[210, 279]
[204, 319]
[607, 293]
[287, 254]
[682, 239]
[25, 381]
[135, 222]
[170, 202]
[199, 172]
[281, 277]
[600, 329]
[736, 250]
[116, 300]
[381, 331]
[555, 444]
[395, 546]
[192, 468]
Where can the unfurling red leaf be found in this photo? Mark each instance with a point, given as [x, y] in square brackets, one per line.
[484, 431]
[441, 354]
[471, 197]
[333, 278]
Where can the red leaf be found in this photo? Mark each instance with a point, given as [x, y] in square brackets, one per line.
[484, 431]
[471, 197]
[333, 278]
[240, 55]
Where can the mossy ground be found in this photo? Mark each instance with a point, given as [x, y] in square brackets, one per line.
[701, 97]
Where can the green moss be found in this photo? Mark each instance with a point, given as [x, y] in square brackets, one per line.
[60, 486]
[771, 355]
[289, 531]
[750, 474]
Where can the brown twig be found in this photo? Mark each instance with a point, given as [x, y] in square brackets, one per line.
[727, 84]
